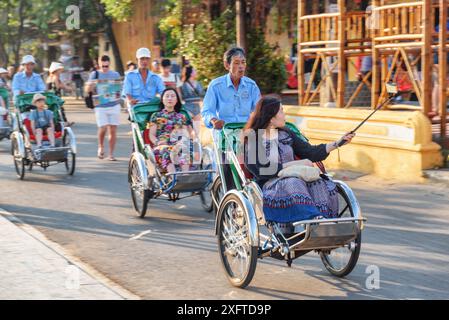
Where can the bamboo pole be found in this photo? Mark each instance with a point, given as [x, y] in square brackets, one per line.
[329, 70]
[399, 5]
[426, 59]
[442, 76]
[300, 62]
[400, 37]
[412, 76]
[375, 57]
[359, 89]
[389, 74]
[312, 77]
[341, 55]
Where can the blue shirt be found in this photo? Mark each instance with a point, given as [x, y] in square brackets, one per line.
[21, 82]
[224, 102]
[135, 87]
[42, 119]
[110, 75]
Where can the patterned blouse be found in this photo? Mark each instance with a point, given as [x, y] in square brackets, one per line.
[168, 123]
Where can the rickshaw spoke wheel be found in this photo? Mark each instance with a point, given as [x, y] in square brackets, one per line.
[139, 195]
[70, 163]
[206, 196]
[19, 162]
[341, 261]
[217, 192]
[238, 256]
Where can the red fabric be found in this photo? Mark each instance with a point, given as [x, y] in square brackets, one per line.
[248, 174]
[27, 123]
[292, 81]
[146, 137]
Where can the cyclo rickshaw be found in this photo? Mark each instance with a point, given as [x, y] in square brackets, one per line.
[23, 141]
[146, 180]
[245, 236]
[5, 122]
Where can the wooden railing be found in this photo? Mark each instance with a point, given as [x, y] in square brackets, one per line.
[322, 29]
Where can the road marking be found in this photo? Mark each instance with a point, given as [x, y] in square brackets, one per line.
[140, 235]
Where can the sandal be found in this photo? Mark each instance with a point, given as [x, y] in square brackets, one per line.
[112, 158]
[100, 154]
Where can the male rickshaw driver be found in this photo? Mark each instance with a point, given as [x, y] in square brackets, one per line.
[142, 85]
[27, 81]
[230, 98]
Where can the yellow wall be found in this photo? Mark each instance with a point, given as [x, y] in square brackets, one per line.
[392, 144]
[137, 33]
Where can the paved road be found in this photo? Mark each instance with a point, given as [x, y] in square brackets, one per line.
[172, 254]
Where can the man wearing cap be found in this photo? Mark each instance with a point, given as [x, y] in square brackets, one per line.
[142, 85]
[27, 81]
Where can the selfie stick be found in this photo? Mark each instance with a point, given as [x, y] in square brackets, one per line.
[392, 90]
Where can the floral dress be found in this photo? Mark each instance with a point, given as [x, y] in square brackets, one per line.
[170, 142]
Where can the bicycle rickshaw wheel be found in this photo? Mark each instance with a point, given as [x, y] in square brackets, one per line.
[206, 196]
[19, 161]
[341, 261]
[239, 258]
[70, 163]
[206, 201]
[217, 192]
[140, 196]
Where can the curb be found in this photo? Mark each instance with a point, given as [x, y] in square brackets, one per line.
[96, 275]
[437, 176]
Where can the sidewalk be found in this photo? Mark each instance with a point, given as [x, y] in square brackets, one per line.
[35, 268]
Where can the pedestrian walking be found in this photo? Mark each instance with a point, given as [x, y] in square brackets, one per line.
[77, 78]
[107, 114]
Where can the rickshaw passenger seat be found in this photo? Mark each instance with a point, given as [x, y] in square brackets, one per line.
[27, 123]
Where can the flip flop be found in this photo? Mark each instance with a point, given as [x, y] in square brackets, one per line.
[100, 154]
[112, 159]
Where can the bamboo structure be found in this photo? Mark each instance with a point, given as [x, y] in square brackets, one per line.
[404, 40]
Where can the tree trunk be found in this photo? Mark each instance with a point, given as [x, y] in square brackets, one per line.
[18, 46]
[240, 9]
[110, 33]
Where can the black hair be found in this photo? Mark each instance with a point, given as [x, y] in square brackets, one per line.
[235, 51]
[166, 63]
[188, 73]
[178, 105]
[105, 58]
[266, 109]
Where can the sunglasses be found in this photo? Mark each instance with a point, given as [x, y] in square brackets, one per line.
[104, 67]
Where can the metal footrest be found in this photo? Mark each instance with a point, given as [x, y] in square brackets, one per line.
[329, 235]
[191, 182]
[51, 154]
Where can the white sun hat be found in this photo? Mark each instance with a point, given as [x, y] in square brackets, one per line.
[55, 66]
[28, 59]
[3, 71]
[143, 53]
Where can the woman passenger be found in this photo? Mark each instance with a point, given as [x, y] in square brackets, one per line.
[287, 199]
